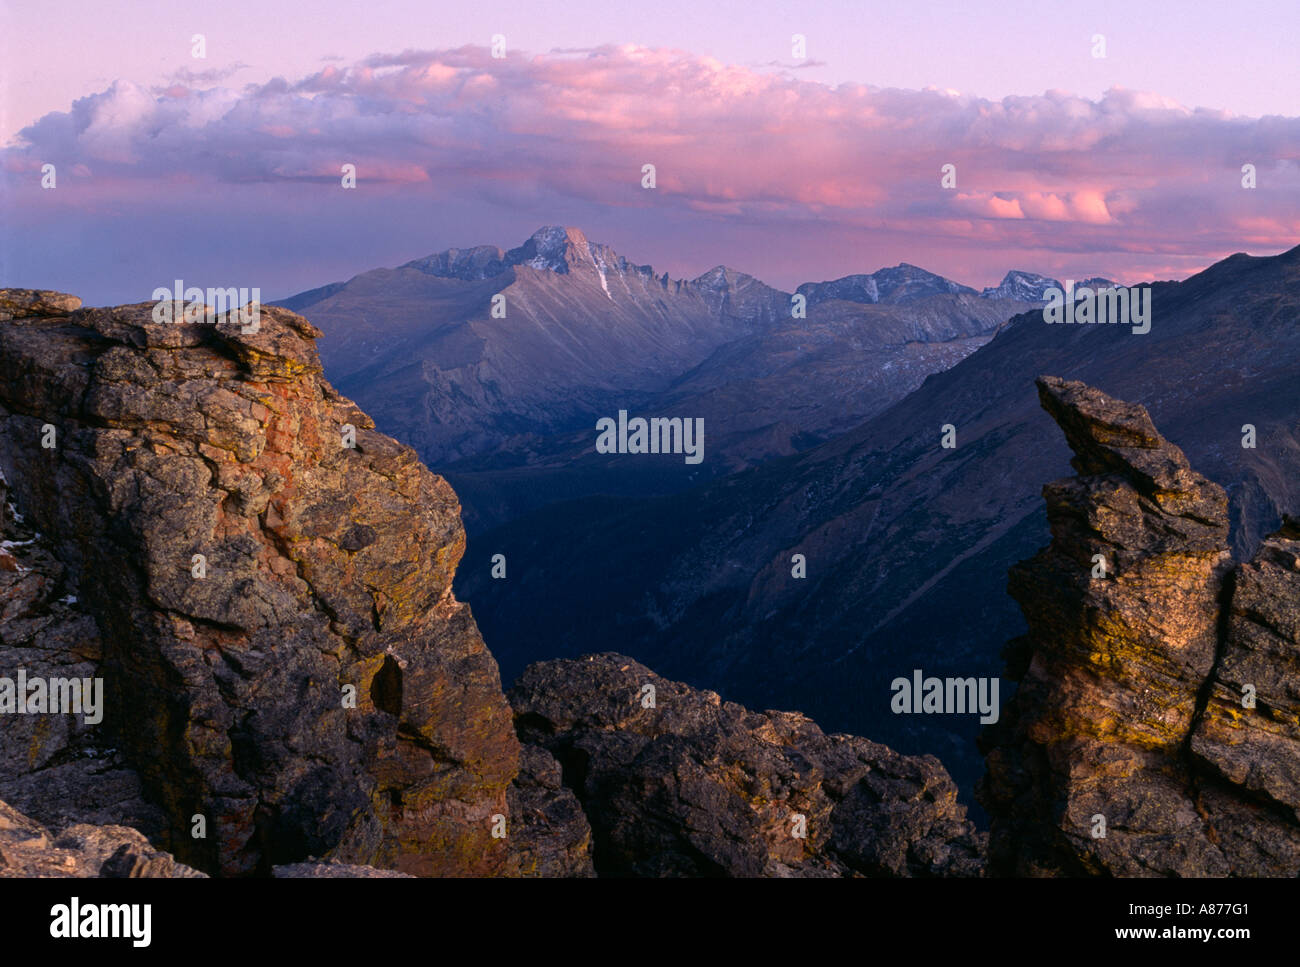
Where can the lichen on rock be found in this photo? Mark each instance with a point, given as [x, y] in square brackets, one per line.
[1108, 761]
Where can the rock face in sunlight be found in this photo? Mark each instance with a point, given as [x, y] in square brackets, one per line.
[1153, 732]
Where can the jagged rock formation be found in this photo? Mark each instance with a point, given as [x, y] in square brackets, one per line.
[677, 782]
[281, 651]
[28, 849]
[550, 832]
[1109, 759]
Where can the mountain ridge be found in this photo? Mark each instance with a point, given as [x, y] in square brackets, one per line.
[557, 247]
[482, 357]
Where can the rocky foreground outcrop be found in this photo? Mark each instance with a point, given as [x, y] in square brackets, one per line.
[284, 664]
[677, 782]
[1156, 729]
[28, 849]
[57, 769]
[83, 850]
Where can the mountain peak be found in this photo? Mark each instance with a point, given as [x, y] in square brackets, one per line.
[1022, 286]
[553, 239]
[905, 281]
[554, 248]
[899, 283]
[720, 276]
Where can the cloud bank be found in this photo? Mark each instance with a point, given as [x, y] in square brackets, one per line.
[1132, 175]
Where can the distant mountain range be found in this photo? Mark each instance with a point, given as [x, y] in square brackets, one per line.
[907, 544]
[907, 283]
[506, 407]
[1028, 287]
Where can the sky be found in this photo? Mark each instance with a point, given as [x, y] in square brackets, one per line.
[226, 169]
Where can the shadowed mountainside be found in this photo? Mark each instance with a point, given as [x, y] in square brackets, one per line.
[906, 542]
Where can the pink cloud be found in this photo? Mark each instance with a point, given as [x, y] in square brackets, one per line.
[982, 204]
[1132, 171]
